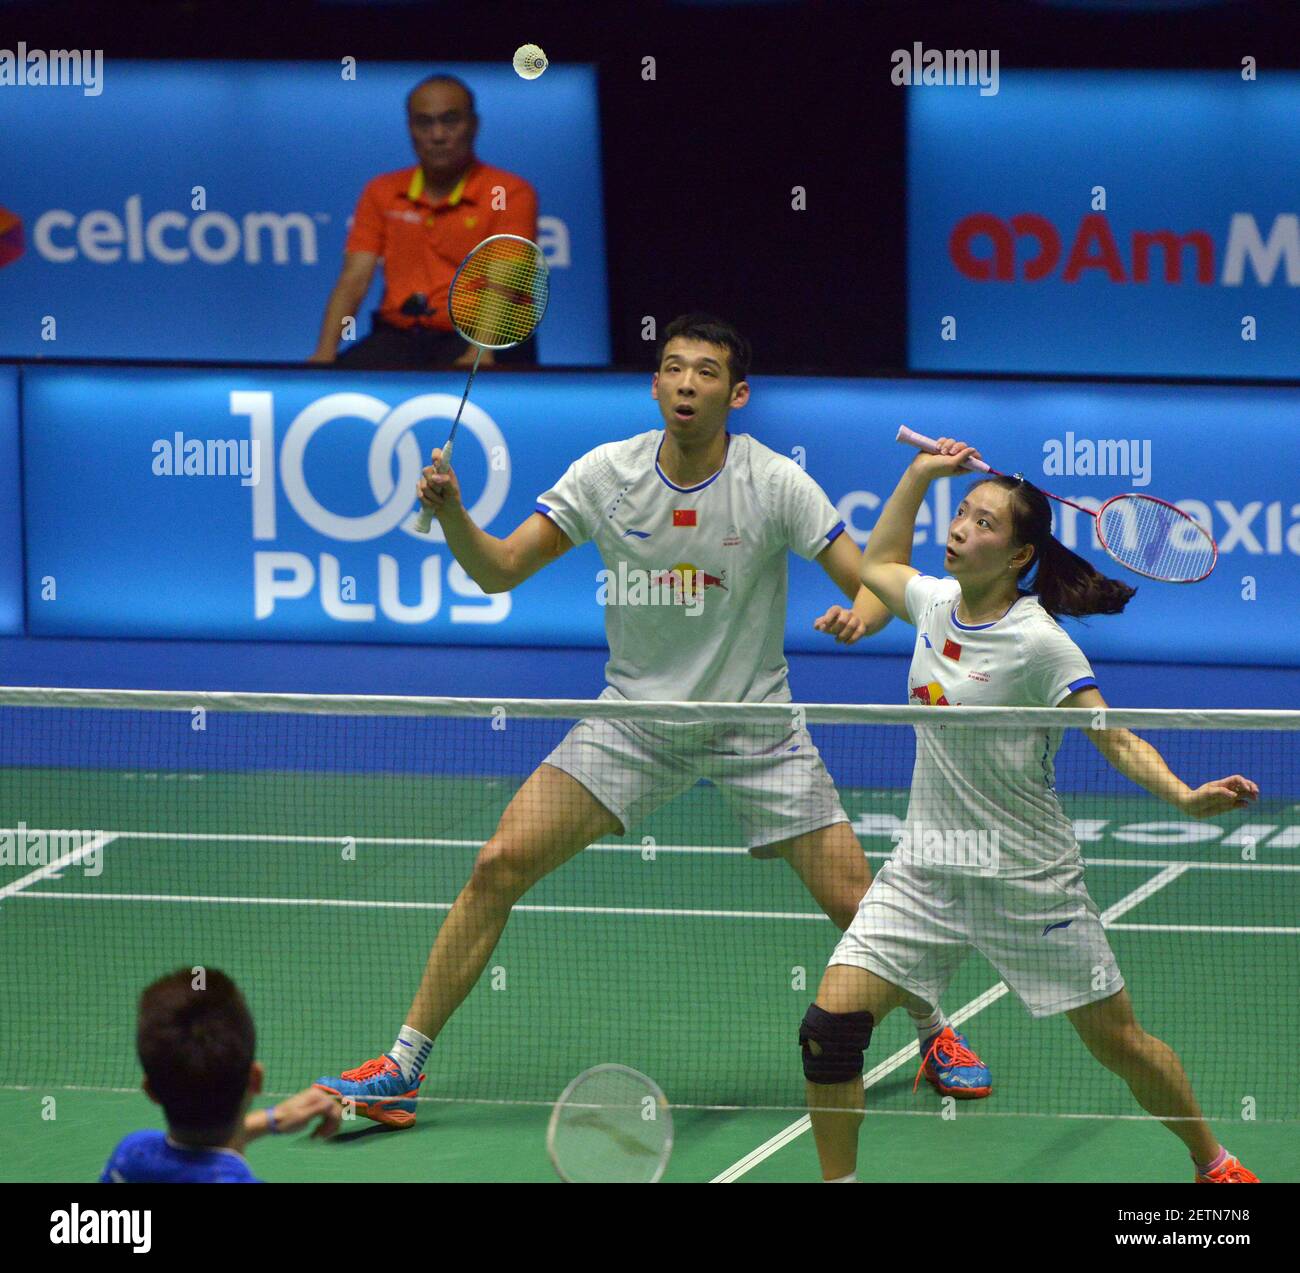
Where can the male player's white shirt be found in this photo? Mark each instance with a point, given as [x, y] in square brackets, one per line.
[757, 507]
[973, 779]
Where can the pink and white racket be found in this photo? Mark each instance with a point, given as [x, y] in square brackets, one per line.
[1146, 535]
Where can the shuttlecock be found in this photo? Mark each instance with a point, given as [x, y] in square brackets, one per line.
[530, 61]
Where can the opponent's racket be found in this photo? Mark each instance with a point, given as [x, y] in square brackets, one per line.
[1146, 535]
[611, 1125]
[496, 301]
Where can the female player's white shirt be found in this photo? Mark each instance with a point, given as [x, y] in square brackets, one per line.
[972, 780]
[726, 538]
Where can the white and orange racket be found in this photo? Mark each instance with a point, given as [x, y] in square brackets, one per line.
[1146, 535]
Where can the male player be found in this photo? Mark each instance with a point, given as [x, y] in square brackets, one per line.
[196, 1043]
[710, 515]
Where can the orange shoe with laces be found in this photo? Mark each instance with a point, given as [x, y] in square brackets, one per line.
[952, 1069]
[377, 1090]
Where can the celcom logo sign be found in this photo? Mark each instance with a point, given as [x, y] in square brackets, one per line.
[393, 465]
[173, 238]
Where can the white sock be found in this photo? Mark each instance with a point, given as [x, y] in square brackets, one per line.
[928, 1027]
[410, 1052]
[850, 1179]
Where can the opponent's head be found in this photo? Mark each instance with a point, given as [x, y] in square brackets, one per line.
[196, 1048]
[1002, 531]
[703, 365]
[443, 124]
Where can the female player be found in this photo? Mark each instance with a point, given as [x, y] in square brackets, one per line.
[984, 641]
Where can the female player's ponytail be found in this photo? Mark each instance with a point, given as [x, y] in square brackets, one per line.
[1063, 582]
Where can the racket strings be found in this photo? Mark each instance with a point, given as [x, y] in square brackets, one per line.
[1155, 539]
[500, 294]
[611, 1126]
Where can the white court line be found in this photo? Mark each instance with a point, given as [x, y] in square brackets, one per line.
[219, 899]
[388, 841]
[1205, 928]
[671, 912]
[719, 849]
[909, 1053]
[93, 845]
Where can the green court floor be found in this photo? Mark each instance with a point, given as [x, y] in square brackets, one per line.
[671, 951]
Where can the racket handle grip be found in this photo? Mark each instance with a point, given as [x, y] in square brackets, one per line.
[425, 519]
[922, 443]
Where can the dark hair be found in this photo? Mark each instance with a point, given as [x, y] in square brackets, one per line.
[196, 1047]
[443, 79]
[713, 331]
[1064, 582]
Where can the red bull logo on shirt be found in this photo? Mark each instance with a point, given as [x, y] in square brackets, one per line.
[688, 580]
[931, 695]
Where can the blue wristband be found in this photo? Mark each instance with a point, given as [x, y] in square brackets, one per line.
[270, 1122]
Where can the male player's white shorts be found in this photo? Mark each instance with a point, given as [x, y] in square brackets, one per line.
[772, 777]
[1044, 935]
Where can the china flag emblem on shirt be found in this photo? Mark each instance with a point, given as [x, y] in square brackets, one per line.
[951, 650]
[683, 517]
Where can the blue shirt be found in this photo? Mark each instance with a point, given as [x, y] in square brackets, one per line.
[146, 1158]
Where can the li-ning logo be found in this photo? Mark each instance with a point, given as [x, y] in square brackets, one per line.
[102, 1227]
[281, 575]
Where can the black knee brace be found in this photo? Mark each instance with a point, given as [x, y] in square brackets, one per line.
[841, 1039]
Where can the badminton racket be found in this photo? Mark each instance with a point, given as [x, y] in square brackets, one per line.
[496, 301]
[611, 1125]
[1146, 535]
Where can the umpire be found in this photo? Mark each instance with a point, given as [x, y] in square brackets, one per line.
[422, 221]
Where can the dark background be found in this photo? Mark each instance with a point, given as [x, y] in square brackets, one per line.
[750, 100]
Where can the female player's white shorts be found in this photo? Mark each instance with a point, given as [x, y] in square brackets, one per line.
[772, 777]
[1043, 934]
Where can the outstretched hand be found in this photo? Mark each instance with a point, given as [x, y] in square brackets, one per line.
[306, 1107]
[844, 624]
[1220, 796]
